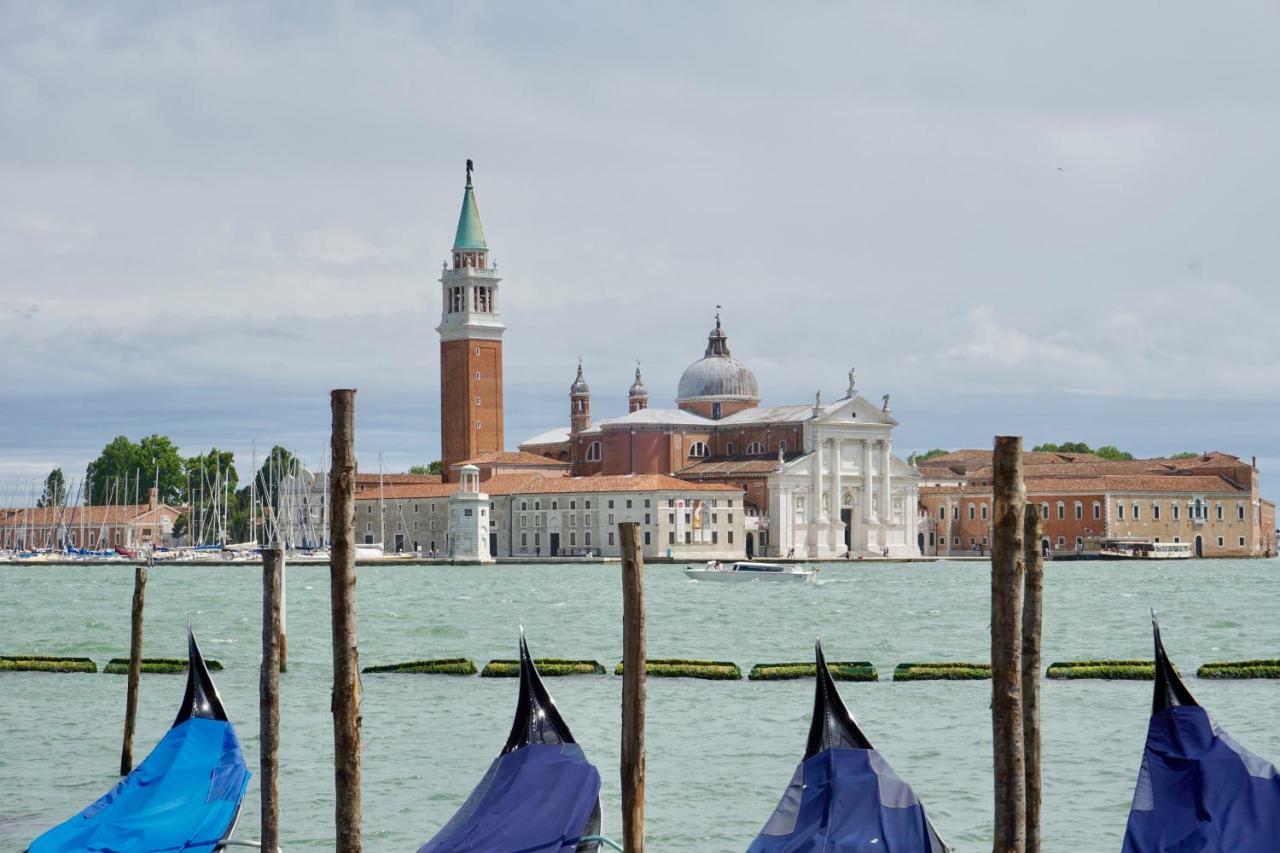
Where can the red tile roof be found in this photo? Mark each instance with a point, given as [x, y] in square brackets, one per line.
[508, 457]
[619, 483]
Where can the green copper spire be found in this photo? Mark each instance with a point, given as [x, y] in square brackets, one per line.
[470, 236]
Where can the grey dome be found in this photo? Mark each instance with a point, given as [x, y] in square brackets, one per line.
[717, 375]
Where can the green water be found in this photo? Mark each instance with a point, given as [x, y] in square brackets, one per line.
[720, 753]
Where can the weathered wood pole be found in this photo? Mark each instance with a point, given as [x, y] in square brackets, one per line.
[633, 688]
[284, 614]
[1032, 622]
[342, 594]
[1009, 505]
[269, 695]
[135, 669]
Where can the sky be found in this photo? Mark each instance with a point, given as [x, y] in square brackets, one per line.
[1053, 220]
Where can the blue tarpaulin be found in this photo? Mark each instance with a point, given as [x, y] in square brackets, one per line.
[844, 797]
[845, 800]
[539, 797]
[184, 796]
[1198, 790]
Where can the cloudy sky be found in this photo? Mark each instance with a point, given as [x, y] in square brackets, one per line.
[1057, 220]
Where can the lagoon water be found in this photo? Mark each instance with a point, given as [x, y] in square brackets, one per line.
[719, 753]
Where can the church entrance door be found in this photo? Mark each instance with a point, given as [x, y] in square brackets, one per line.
[751, 545]
[846, 515]
[555, 544]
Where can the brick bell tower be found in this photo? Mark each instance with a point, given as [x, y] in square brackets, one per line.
[470, 344]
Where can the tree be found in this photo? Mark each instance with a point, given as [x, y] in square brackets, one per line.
[1186, 454]
[1113, 453]
[917, 458]
[125, 470]
[1065, 447]
[436, 467]
[55, 489]
[211, 480]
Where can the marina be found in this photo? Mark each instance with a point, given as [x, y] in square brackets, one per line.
[710, 786]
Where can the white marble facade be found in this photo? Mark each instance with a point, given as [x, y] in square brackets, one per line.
[846, 495]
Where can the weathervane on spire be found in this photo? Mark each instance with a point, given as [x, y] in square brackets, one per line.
[470, 167]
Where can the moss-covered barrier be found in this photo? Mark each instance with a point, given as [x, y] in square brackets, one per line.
[550, 667]
[841, 670]
[1107, 669]
[714, 670]
[120, 666]
[45, 663]
[941, 671]
[1265, 668]
[437, 666]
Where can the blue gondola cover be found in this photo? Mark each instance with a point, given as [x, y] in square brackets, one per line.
[185, 796]
[540, 795]
[844, 796]
[536, 798]
[1198, 790]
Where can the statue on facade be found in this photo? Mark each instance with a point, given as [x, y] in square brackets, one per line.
[853, 383]
[886, 402]
[470, 167]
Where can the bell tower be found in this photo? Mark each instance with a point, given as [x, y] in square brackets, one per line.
[470, 344]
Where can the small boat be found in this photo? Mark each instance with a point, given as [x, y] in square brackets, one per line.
[1142, 549]
[1197, 788]
[844, 796]
[185, 795]
[540, 793]
[746, 571]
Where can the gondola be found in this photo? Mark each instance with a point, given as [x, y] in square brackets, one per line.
[540, 793]
[1198, 790]
[185, 795]
[844, 796]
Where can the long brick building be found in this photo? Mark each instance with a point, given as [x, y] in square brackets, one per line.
[1211, 502]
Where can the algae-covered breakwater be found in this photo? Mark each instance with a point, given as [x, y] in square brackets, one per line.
[844, 670]
[1261, 668]
[713, 670]
[550, 667]
[120, 666]
[434, 666]
[941, 671]
[1107, 669]
[45, 663]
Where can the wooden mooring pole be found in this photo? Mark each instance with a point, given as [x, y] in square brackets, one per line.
[1007, 555]
[284, 613]
[135, 669]
[342, 594]
[269, 694]
[1032, 623]
[633, 688]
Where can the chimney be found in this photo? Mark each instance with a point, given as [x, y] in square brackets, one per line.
[153, 497]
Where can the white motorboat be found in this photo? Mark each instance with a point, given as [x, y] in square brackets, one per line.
[747, 571]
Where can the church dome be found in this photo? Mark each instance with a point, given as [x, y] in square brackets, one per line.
[717, 376]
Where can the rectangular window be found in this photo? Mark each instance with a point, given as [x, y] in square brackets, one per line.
[1079, 511]
[1176, 512]
[537, 521]
[1062, 540]
[468, 512]
[942, 513]
[1240, 514]
[646, 519]
[1220, 540]
[971, 512]
[368, 525]
[1136, 514]
[573, 538]
[646, 503]
[524, 521]
[1241, 541]
[731, 518]
[628, 503]
[586, 539]
[671, 538]
[671, 518]
[955, 514]
[1120, 511]
[573, 504]
[984, 512]
[646, 537]
[610, 519]
[671, 502]
[610, 504]
[1219, 512]
[730, 537]
[610, 537]
[1155, 512]
[1062, 511]
[587, 504]
[714, 539]
[524, 540]
[523, 505]
[537, 540]
[688, 537]
[555, 504]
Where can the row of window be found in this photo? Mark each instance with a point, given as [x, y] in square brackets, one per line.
[1196, 509]
[697, 450]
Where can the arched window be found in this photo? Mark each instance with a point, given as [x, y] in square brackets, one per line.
[754, 448]
[698, 450]
[593, 451]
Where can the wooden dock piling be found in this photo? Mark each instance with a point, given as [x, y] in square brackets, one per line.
[1007, 556]
[135, 669]
[633, 688]
[269, 694]
[1032, 624]
[342, 593]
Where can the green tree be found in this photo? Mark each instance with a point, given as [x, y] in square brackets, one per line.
[1186, 454]
[917, 458]
[1064, 447]
[211, 481]
[55, 489]
[278, 465]
[436, 467]
[1113, 453]
[124, 470]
